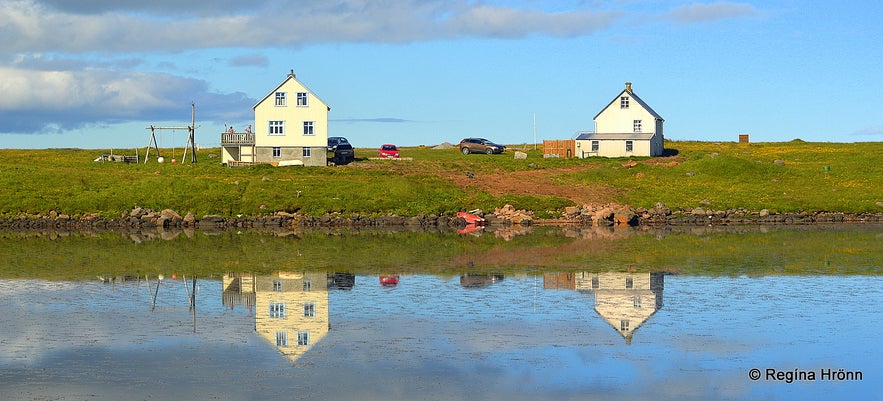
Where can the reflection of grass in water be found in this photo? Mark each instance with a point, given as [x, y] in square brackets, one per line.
[749, 251]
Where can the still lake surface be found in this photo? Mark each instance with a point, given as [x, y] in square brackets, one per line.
[477, 320]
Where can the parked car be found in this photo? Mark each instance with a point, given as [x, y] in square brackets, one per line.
[389, 150]
[340, 151]
[480, 145]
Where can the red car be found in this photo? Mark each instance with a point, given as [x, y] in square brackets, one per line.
[389, 150]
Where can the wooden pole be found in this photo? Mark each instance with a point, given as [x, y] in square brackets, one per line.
[158, 281]
[193, 132]
[193, 303]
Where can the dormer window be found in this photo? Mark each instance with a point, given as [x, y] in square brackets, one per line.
[624, 102]
[302, 99]
[280, 99]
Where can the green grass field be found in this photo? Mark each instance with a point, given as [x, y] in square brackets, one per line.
[782, 177]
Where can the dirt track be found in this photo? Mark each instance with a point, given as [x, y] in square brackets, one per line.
[534, 182]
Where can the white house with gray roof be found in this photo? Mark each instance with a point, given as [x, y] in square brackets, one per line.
[627, 126]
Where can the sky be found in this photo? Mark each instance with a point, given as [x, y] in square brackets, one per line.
[95, 74]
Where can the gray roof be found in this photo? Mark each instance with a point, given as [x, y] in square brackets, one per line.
[630, 136]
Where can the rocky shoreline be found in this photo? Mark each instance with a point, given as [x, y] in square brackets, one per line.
[586, 215]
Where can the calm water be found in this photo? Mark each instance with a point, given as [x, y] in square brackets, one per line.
[522, 335]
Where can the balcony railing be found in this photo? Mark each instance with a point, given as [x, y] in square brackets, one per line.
[237, 138]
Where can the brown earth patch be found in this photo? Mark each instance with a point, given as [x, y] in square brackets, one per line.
[533, 182]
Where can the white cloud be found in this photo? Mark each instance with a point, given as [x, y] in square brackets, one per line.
[97, 26]
[875, 130]
[41, 100]
[94, 46]
[697, 13]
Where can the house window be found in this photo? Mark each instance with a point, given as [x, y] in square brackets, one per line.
[308, 285]
[595, 282]
[624, 102]
[308, 152]
[277, 310]
[595, 146]
[624, 325]
[277, 285]
[280, 99]
[303, 338]
[636, 301]
[308, 128]
[281, 338]
[309, 309]
[276, 128]
[629, 146]
[637, 125]
[629, 282]
[277, 151]
[302, 99]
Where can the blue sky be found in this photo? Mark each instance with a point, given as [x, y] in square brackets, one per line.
[95, 73]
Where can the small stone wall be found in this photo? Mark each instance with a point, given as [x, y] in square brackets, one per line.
[586, 215]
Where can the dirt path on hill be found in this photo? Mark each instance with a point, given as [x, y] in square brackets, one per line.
[540, 182]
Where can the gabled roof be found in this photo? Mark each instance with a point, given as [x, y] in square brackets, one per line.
[633, 96]
[290, 77]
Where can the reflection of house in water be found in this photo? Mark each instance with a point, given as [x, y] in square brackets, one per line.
[479, 280]
[624, 300]
[291, 309]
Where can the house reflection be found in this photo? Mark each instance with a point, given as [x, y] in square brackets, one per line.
[479, 280]
[624, 300]
[290, 309]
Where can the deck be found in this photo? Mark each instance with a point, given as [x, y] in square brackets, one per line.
[237, 138]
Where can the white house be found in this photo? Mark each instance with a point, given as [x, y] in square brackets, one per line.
[626, 127]
[624, 300]
[291, 128]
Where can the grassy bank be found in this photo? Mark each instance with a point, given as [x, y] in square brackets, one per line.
[781, 177]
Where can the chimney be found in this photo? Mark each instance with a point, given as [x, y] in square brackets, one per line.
[291, 74]
[628, 87]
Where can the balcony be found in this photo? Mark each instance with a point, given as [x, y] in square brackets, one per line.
[237, 138]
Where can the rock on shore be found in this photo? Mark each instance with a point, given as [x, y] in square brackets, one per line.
[591, 215]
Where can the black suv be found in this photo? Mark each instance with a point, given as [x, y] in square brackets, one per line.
[339, 151]
[480, 145]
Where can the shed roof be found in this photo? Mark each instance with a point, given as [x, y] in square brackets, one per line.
[629, 136]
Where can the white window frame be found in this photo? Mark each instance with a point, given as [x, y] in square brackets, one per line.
[308, 285]
[636, 125]
[309, 128]
[279, 100]
[277, 285]
[624, 325]
[281, 338]
[307, 152]
[277, 152]
[629, 146]
[596, 146]
[303, 337]
[624, 102]
[277, 310]
[309, 309]
[276, 127]
[303, 99]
